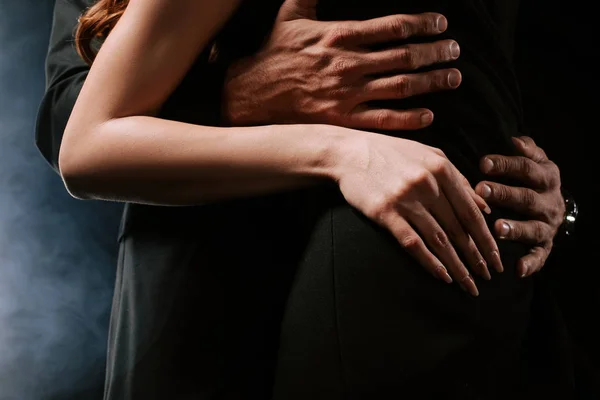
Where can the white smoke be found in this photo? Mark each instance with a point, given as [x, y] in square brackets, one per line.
[57, 254]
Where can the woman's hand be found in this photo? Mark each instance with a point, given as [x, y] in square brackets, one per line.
[416, 193]
[324, 72]
[540, 198]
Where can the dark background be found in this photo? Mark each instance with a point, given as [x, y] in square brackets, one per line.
[559, 81]
[58, 255]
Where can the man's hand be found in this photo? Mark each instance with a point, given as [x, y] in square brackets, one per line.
[313, 71]
[540, 198]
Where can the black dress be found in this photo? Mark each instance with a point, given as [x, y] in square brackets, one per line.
[297, 295]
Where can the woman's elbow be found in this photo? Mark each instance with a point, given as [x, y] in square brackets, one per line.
[74, 170]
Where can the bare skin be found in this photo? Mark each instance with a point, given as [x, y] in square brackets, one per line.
[313, 71]
[324, 72]
[115, 149]
[540, 198]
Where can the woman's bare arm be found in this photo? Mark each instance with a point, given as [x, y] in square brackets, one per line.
[115, 149]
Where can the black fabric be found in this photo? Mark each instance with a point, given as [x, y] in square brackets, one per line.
[297, 295]
[65, 74]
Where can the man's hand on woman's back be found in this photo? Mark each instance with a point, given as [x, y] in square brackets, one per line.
[324, 72]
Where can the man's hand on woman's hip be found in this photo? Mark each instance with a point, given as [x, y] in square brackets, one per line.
[540, 198]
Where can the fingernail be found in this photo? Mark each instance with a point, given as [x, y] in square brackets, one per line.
[519, 141]
[441, 24]
[487, 165]
[454, 50]
[487, 210]
[524, 269]
[486, 191]
[482, 266]
[504, 230]
[426, 118]
[468, 285]
[443, 274]
[453, 79]
[497, 261]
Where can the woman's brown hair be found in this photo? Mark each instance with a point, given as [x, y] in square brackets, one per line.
[241, 36]
[96, 23]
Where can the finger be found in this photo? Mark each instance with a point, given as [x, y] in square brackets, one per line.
[440, 244]
[407, 85]
[397, 27]
[532, 262]
[298, 9]
[522, 169]
[519, 199]
[532, 232]
[409, 57]
[365, 117]
[529, 149]
[469, 214]
[414, 245]
[481, 203]
[444, 213]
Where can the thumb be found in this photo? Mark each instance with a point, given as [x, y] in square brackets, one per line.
[298, 9]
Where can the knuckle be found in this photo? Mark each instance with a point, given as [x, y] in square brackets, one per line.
[554, 175]
[378, 208]
[439, 152]
[410, 241]
[425, 181]
[525, 165]
[529, 200]
[440, 166]
[402, 86]
[440, 240]
[342, 66]
[399, 28]
[338, 34]
[500, 164]
[474, 213]
[462, 274]
[383, 120]
[501, 193]
[528, 141]
[539, 233]
[516, 231]
[340, 91]
[408, 58]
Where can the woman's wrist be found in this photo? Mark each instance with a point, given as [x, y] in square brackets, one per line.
[340, 145]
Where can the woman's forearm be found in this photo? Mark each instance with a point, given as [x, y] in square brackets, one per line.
[155, 161]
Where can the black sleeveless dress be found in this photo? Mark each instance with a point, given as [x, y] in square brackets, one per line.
[297, 295]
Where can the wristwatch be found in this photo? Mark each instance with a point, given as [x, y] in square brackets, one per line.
[567, 227]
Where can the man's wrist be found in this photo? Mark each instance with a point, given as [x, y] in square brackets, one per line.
[238, 98]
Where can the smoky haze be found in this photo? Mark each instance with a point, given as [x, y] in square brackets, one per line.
[57, 254]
